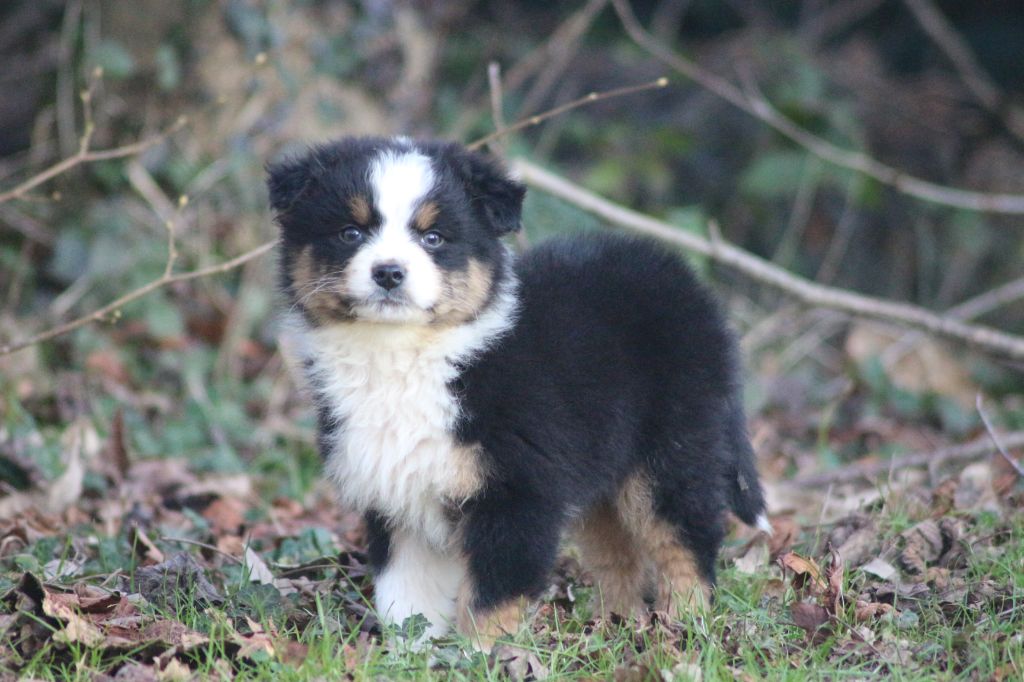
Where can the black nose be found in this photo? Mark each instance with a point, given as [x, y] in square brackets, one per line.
[388, 275]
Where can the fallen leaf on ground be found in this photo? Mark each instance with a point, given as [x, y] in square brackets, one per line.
[179, 577]
[812, 619]
[880, 568]
[257, 568]
[806, 572]
[923, 545]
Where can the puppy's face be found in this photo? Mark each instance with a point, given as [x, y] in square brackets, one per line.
[392, 231]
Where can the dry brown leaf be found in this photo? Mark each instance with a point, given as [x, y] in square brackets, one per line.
[832, 599]
[136, 672]
[225, 514]
[175, 671]
[805, 572]
[812, 619]
[923, 545]
[856, 539]
[77, 629]
[252, 644]
[944, 497]
[868, 610]
[180, 577]
[231, 545]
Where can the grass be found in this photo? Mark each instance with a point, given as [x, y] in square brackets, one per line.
[747, 634]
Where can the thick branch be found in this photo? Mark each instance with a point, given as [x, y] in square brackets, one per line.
[813, 294]
[760, 108]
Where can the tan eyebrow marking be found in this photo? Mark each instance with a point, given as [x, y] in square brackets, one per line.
[360, 210]
[425, 216]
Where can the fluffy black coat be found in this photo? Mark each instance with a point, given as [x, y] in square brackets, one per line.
[616, 379]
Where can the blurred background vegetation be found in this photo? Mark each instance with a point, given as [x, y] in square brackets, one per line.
[194, 367]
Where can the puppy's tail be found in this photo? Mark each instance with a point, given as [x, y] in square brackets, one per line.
[746, 496]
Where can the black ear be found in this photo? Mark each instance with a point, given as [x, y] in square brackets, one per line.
[286, 180]
[498, 196]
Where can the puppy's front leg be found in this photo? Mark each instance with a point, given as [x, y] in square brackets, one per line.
[418, 579]
[510, 544]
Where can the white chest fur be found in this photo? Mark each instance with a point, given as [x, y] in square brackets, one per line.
[387, 387]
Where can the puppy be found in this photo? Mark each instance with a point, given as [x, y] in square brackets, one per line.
[478, 407]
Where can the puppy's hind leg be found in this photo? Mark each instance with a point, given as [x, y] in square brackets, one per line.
[680, 540]
[610, 552]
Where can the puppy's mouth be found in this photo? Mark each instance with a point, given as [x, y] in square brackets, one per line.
[391, 306]
[390, 299]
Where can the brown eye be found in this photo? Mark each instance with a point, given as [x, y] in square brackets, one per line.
[432, 239]
[351, 235]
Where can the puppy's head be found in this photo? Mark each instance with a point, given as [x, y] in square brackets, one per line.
[392, 231]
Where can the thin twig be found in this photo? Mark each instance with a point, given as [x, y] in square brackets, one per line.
[186, 541]
[84, 155]
[856, 161]
[995, 438]
[161, 281]
[867, 470]
[984, 338]
[586, 99]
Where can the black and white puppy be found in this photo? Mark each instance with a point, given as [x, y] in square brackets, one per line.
[477, 408]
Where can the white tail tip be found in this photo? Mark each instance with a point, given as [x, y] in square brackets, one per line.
[764, 525]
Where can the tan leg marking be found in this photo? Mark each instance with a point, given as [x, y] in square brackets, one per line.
[484, 627]
[609, 552]
[680, 586]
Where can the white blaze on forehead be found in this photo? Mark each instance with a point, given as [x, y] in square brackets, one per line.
[400, 180]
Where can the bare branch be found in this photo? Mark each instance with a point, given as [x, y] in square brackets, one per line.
[113, 306]
[867, 470]
[995, 438]
[970, 309]
[983, 338]
[568, 106]
[85, 156]
[760, 108]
